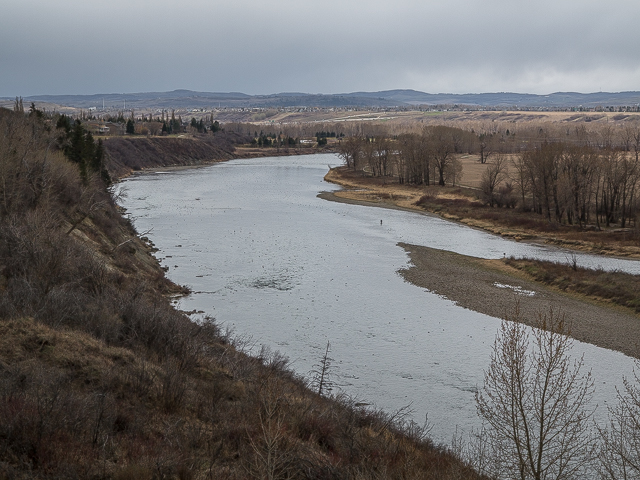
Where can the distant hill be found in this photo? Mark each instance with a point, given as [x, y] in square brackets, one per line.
[384, 99]
[506, 99]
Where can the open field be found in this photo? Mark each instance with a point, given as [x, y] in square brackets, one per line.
[443, 117]
[394, 116]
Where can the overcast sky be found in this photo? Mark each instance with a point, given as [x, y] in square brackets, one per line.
[325, 46]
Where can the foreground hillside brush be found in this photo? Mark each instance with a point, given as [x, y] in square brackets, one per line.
[101, 378]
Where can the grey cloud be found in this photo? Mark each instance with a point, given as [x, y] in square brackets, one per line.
[458, 46]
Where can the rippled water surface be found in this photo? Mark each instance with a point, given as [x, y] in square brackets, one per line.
[268, 258]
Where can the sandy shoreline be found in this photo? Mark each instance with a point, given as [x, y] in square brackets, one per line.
[493, 288]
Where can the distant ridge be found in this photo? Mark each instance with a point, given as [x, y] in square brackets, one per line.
[558, 99]
[383, 99]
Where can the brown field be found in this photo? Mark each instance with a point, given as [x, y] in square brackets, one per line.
[416, 118]
[392, 118]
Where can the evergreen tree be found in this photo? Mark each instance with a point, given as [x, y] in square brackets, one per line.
[33, 111]
[80, 148]
[97, 164]
[89, 150]
[64, 123]
[131, 129]
[175, 125]
[75, 149]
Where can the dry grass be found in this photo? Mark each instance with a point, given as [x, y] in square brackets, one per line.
[401, 120]
[126, 154]
[618, 288]
[73, 406]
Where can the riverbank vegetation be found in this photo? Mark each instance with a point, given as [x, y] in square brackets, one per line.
[618, 288]
[101, 378]
[571, 182]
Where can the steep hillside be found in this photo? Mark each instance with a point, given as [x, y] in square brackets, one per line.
[126, 154]
[101, 378]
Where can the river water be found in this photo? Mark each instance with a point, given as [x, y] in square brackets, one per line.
[269, 259]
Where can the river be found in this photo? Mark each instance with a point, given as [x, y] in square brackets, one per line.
[283, 268]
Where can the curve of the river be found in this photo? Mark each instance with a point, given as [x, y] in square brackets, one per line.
[270, 260]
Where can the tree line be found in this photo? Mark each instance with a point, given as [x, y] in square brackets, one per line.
[574, 183]
[273, 140]
[423, 158]
[78, 145]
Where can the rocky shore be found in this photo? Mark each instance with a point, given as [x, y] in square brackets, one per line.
[496, 289]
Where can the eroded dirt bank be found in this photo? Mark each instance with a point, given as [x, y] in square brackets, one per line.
[129, 154]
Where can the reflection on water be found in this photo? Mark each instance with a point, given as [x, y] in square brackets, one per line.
[271, 260]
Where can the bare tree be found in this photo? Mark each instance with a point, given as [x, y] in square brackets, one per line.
[442, 148]
[485, 144]
[454, 171]
[270, 450]
[493, 176]
[414, 158]
[619, 455]
[322, 372]
[349, 150]
[521, 178]
[382, 155]
[535, 402]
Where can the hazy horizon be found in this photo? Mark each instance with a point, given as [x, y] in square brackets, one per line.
[309, 93]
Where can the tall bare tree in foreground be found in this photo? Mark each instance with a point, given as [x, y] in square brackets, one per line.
[322, 373]
[535, 402]
[619, 455]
